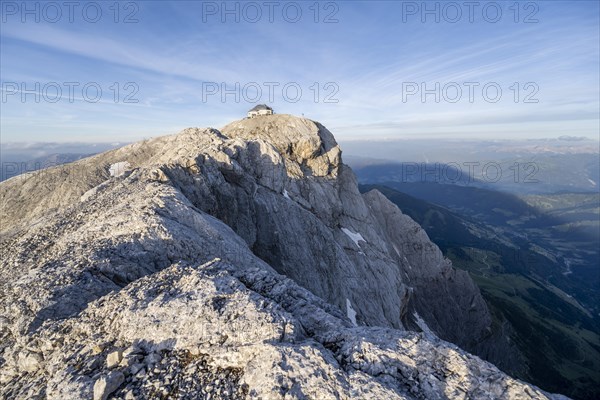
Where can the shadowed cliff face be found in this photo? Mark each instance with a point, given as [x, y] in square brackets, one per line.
[386, 240]
[269, 194]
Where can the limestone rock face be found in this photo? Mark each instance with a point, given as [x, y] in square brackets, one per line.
[243, 263]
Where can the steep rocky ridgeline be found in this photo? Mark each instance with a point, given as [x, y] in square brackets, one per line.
[242, 263]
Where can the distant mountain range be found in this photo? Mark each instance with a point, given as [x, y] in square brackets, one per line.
[14, 168]
[18, 158]
[462, 150]
[541, 174]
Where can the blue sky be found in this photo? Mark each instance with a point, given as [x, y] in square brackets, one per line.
[369, 61]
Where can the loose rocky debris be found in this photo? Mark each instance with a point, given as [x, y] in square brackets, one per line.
[170, 374]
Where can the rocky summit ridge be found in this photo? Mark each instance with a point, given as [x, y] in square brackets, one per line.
[240, 263]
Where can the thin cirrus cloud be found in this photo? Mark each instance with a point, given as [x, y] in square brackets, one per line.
[110, 50]
[369, 54]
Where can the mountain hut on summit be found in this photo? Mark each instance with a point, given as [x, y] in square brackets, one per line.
[261, 109]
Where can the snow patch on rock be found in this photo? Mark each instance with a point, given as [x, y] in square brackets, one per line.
[118, 169]
[356, 237]
[350, 312]
[423, 325]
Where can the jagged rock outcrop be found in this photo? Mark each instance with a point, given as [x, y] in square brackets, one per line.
[116, 253]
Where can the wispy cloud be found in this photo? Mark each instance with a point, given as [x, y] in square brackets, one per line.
[369, 55]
